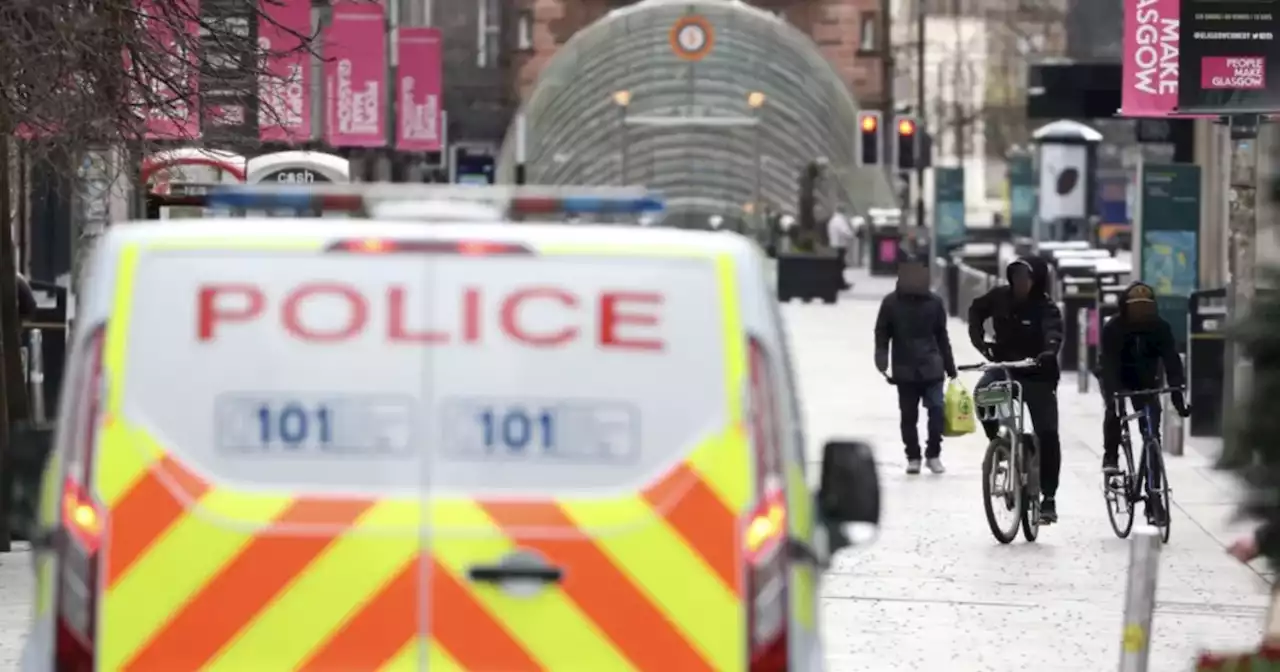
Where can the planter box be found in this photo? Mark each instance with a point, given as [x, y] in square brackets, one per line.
[810, 276]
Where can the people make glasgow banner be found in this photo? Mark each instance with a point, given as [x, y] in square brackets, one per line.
[284, 82]
[1230, 61]
[355, 74]
[1150, 69]
[419, 78]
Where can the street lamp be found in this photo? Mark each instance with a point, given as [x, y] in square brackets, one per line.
[755, 101]
[622, 99]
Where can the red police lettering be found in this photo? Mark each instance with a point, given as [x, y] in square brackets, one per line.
[471, 315]
[619, 309]
[397, 332]
[357, 312]
[510, 317]
[328, 312]
[226, 303]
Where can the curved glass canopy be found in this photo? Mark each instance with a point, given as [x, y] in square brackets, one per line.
[720, 117]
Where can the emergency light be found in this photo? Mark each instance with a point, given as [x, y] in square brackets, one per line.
[360, 198]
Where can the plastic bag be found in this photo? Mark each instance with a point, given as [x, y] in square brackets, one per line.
[958, 409]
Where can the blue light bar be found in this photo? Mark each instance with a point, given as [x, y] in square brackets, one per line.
[589, 205]
[237, 197]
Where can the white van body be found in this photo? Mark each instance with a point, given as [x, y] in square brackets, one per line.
[299, 359]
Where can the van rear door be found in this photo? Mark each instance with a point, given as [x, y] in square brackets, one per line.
[588, 478]
[261, 462]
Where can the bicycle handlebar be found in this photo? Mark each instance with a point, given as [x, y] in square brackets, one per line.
[1153, 391]
[987, 366]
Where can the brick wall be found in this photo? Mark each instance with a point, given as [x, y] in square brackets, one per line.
[834, 24]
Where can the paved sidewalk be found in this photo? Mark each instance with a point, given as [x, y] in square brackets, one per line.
[937, 592]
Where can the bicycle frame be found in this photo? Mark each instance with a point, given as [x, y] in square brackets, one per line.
[1010, 413]
[1146, 428]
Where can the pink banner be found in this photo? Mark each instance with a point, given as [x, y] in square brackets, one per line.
[418, 80]
[1233, 72]
[1150, 82]
[178, 117]
[355, 74]
[284, 86]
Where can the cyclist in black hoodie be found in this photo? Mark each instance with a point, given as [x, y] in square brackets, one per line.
[1027, 325]
[1136, 344]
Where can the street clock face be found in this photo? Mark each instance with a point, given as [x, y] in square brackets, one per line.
[295, 176]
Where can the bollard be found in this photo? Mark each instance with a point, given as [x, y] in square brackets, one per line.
[1171, 429]
[1082, 350]
[1140, 599]
[36, 376]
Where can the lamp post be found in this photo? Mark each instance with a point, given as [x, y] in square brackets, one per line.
[756, 101]
[622, 99]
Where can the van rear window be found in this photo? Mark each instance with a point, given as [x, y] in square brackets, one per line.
[334, 373]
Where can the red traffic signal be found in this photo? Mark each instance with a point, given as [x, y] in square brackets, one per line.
[908, 146]
[869, 138]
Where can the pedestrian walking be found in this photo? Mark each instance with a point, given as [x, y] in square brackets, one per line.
[840, 237]
[913, 352]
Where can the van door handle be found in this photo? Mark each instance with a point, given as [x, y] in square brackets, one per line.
[500, 573]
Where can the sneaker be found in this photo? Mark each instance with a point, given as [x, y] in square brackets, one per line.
[1155, 514]
[913, 466]
[1048, 511]
[1111, 465]
[935, 465]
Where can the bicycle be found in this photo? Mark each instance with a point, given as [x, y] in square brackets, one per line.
[1010, 467]
[1123, 489]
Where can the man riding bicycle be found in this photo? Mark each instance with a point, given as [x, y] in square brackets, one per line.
[1027, 325]
[1135, 344]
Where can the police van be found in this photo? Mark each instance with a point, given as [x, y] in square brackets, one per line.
[374, 444]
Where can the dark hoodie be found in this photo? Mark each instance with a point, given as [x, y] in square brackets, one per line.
[1133, 351]
[913, 320]
[1023, 329]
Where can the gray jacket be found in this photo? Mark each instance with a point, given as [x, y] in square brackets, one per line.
[914, 326]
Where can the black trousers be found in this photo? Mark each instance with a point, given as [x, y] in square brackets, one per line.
[909, 397]
[1041, 398]
[842, 253]
[1111, 425]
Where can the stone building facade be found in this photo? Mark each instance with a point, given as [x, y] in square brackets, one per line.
[850, 34]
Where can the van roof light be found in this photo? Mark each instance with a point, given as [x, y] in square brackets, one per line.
[358, 198]
[252, 197]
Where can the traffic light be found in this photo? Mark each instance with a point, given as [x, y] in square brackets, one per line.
[869, 138]
[908, 143]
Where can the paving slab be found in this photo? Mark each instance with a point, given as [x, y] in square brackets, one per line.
[936, 591]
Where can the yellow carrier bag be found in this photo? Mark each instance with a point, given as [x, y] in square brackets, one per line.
[958, 407]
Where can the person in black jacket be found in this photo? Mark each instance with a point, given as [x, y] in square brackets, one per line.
[1136, 344]
[1027, 324]
[913, 322]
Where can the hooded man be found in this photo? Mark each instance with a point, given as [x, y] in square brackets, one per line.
[1027, 325]
[913, 322]
[1136, 344]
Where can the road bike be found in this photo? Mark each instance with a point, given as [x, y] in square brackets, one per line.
[1124, 488]
[1011, 465]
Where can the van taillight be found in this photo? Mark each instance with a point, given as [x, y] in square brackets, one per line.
[82, 519]
[767, 568]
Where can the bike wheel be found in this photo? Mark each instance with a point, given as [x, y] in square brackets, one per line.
[1031, 508]
[1159, 492]
[1001, 493]
[1116, 492]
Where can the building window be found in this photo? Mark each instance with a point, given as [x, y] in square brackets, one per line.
[524, 31]
[869, 32]
[489, 33]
